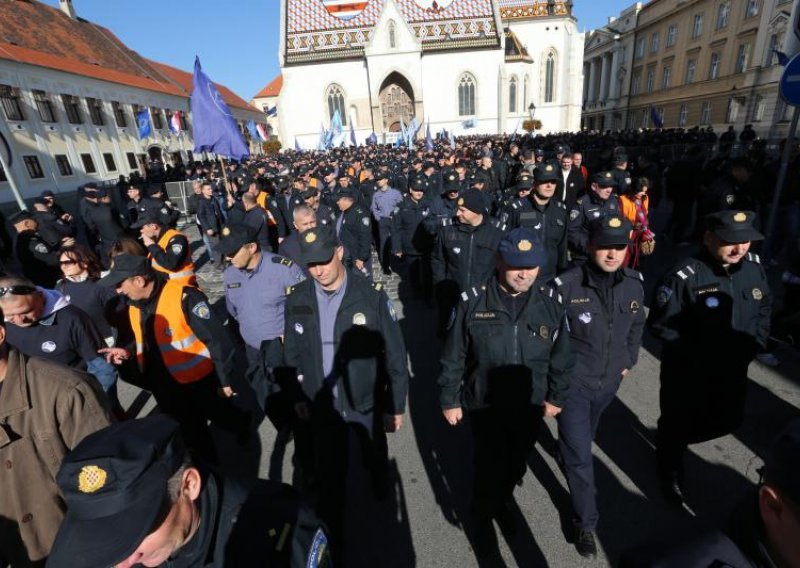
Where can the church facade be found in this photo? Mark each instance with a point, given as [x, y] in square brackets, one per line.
[467, 66]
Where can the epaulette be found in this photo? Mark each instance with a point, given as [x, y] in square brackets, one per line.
[633, 273]
[377, 286]
[561, 204]
[289, 290]
[552, 293]
[282, 260]
[498, 224]
[472, 293]
[685, 272]
[446, 221]
[752, 257]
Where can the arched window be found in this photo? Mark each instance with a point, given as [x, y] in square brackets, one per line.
[392, 35]
[512, 95]
[550, 78]
[335, 99]
[525, 93]
[466, 95]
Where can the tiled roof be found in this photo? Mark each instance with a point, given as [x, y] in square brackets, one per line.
[271, 90]
[37, 34]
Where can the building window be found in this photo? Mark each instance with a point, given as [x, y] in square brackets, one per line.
[672, 35]
[550, 78]
[705, 113]
[72, 106]
[111, 165]
[654, 39]
[683, 115]
[466, 96]
[525, 93]
[9, 97]
[697, 26]
[772, 58]
[33, 167]
[666, 75]
[759, 106]
[651, 78]
[723, 11]
[691, 69]
[119, 114]
[733, 110]
[640, 47]
[392, 35]
[784, 110]
[713, 68]
[96, 111]
[645, 119]
[512, 95]
[752, 9]
[88, 164]
[44, 106]
[132, 160]
[741, 57]
[63, 165]
[158, 118]
[335, 99]
[636, 82]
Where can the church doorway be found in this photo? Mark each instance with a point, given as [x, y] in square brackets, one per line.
[397, 102]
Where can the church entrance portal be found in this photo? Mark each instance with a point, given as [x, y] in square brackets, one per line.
[397, 101]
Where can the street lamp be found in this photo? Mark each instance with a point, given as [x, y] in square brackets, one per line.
[531, 110]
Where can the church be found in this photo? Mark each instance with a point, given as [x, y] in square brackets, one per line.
[465, 66]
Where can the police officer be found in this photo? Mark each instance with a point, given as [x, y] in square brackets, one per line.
[544, 215]
[105, 223]
[342, 337]
[463, 256]
[507, 362]
[353, 230]
[325, 215]
[136, 497]
[621, 174]
[51, 228]
[384, 202]
[168, 249]
[412, 241]
[598, 203]
[712, 312]
[184, 353]
[304, 218]
[444, 206]
[39, 261]
[605, 316]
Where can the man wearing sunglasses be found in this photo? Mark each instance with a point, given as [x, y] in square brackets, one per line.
[38, 259]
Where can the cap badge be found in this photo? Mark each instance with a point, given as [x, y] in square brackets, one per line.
[359, 319]
[460, 201]
[544, 332]
[634, 306]
[548, 168]
[91, 479]
[310, 238]
[607, 175]
[524, 245]
[614, 223]
[740, 217]
[757, 294]
[226, 231]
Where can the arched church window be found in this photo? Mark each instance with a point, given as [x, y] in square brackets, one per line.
[336, 102]
[466, 95]
[512, 95]
[525, 93]
[392, 35]
[550, 78]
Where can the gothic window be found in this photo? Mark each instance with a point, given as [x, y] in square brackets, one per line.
[466, 95]
[550, 78]
[392, 35]
[335, 99]
[525, 93]
[512, 95]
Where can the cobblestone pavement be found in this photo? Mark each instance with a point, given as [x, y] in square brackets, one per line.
[422, 525]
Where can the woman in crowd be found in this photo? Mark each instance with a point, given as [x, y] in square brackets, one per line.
[635, 204]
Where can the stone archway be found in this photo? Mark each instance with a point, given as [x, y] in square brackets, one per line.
[397, 101]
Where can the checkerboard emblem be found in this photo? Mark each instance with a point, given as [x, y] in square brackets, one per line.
[345, 9]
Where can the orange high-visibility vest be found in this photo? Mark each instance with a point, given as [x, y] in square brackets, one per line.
[261, 199]
[186, 357]
[185, 273]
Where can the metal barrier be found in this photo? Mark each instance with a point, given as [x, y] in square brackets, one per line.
[178, 193]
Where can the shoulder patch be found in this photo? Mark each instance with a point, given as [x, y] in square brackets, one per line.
[282, 260]
[472, 293]
[289, 290]
[377, 286]
[685, 272]
[552, 293]
[202, 311]
[561, 204]
[752, 257]
[574, 214]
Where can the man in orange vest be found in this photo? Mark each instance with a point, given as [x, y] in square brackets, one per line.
[184, 353]
[168, 249]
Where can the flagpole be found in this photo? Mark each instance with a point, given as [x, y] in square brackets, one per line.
[225, 177]
[12, 183]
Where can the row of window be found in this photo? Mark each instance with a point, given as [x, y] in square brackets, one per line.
[35, 170]
[723, 17]
[11, 102]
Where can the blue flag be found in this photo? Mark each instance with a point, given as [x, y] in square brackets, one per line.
[352, 133]
[251, 128]
[273, 111]
[297, 146]
[372, 139]
[783, 59]
[143, 122]
[656, 118]
[452, 140]
[428, 139]
[215, 129]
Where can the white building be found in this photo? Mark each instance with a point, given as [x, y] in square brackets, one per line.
[468, 66]
[69, 94]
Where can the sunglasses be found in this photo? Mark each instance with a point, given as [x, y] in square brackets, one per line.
[69, 262]
[18, 290]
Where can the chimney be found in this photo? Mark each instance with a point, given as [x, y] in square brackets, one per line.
[67, 8]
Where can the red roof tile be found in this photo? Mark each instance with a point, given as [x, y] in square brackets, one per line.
[271, 90]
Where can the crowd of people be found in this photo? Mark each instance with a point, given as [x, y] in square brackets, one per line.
[525, 252]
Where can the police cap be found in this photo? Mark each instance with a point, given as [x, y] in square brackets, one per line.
[620, 159]
[451, 183]
[547, 172]
[520, 249]
[418, 184]
[472, 199]
[115, 484]
[317, 245]
[782, 466]
[538, 152]
[346, 192]
[733, 227]
[47, 193]
[235, 236]
[149, 218]
[381, 175]
[126, 266]
[309, 193]
[610, 231]
[604, 179]
[20, 216]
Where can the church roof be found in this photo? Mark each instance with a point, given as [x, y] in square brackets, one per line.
[528, 9]
[515, 51]
[314, 33]
[273, 89]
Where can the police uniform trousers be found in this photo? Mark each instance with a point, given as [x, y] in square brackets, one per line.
[577, 426]
[384, 244]
[262, 379]
[503, 440]
[418, 274]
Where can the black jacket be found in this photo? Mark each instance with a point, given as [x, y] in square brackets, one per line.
[409, 234]
[490, 360]
[549, 223]
[465, 255]
[39, 261]
[370, 359]
[587, 209]
[51, 228]
[575, 188]
[209, 214]
[356, 233]
[104, 222]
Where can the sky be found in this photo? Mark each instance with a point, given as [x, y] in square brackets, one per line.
[237, 41]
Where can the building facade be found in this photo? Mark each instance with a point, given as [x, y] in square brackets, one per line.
[466, 66]
[70, 92]
[707, 63]
[267, 100]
